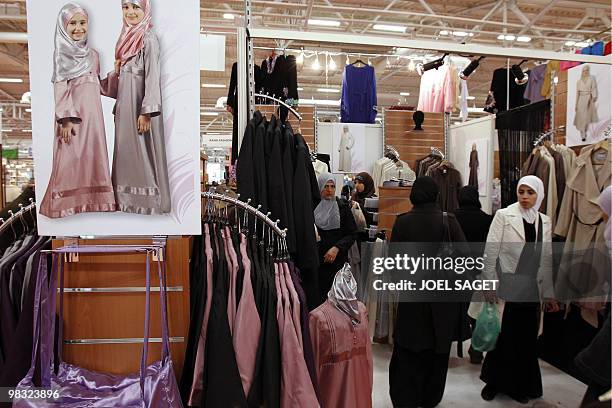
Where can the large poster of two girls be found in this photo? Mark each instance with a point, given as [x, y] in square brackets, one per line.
[115, 116]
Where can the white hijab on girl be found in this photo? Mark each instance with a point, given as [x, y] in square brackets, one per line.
[531, 215]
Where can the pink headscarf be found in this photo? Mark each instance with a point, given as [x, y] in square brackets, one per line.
[131, 40]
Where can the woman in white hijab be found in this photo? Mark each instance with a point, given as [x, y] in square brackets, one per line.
[80, 177]
[518, 253]
[337, 231]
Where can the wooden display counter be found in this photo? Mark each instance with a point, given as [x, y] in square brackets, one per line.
[392, 201]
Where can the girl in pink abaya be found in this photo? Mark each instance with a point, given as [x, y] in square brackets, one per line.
[80, 177]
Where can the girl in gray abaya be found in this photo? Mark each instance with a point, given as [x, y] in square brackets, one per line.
[140, 170]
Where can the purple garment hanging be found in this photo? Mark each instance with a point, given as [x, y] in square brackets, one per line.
[358, 94]
[155, 385]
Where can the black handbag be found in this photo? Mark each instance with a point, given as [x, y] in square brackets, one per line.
[520, 287]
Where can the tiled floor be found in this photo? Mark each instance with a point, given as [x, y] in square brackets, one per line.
[463, 385]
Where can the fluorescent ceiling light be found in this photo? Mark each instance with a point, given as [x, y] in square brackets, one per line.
[11, 80]
[229, 16]
[460, 34]
[6, 130]
[471, 34]
[388, 27]
[570, 43]
[404, 93]
[300, 89]
[444, 32]
[319, 102]
[328, 90]
[523, 38]
[209, 113]
[27, 130]
[470, 98]
[28, 110]
[213, 86]
[582, 44]
[324, 23]
[509, 37]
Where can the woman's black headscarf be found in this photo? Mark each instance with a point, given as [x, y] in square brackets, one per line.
[368, 183]
[424, 191]
[468, 197]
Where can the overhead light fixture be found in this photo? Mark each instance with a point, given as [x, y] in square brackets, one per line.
[388, 27]
[435, 64]
[332, 64]
[470, 68]
[470, 98]
[507, 37]
[411, 65]
[27, 130]
[404, 93]
[471, 34]
[229, 16]
[11, 80]
[316, 65]
[324, 23]
[300, 58]
[300, 89]
[570, 43]
[218, 86]
[209, 113]
[444, 32]
[328, 90]
[523, 38]
[29, 110]
[460, 34]
[6, 130]
[520, 77]
[582, 44]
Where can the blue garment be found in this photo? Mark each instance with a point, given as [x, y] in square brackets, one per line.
[358, 94]
[595, 49]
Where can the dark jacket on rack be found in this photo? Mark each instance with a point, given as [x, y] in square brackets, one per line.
[232, 101]
[274, 171]
[449, 182]
[499, 88]
[245, 173]
[279, 77]
[223, 386]
[288, 158]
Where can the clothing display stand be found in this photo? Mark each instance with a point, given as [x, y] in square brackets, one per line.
[103, 320]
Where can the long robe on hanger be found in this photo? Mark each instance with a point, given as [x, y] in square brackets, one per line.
[274, 170]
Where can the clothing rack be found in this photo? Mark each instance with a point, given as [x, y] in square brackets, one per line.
[278, 101]
[273, 225]
[546, 135]
[18, 215]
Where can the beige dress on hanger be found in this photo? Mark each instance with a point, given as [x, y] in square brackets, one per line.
[347, 141]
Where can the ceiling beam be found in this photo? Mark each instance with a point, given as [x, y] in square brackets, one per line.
[7, 95]
[487, 17]
[17, 59]
[427, 8]
[517, 12]
[387, 7]
[308, 13]
[541, 14]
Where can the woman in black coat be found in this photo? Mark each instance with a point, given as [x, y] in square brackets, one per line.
[424, 331]
[475, 224]
[336, 229]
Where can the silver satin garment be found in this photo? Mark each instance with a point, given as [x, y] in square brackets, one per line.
[71, 59]
[140, 169]
[137, 2]
[343, 293]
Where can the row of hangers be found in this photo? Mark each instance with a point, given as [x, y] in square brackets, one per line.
[269, 235]
[19, 216]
